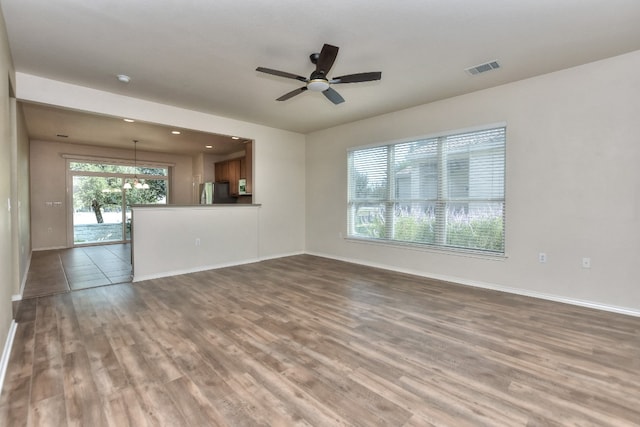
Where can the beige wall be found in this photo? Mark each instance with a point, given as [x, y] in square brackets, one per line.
[22, 215]
[50, 225]
[14, 205]
[6, 265]
[572, 185]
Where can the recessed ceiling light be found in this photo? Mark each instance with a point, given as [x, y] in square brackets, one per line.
[208, 146]
[175, 132]
[129, 120]
[235, 137]
[123, 78]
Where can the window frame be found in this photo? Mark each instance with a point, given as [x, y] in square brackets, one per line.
[388, 206]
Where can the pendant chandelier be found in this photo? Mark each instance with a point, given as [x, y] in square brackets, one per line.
[140, 185]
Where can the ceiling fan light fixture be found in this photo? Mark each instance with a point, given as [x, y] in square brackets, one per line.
[318, 85]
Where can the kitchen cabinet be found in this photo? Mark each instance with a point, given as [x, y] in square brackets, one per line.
[222, 171]
[248, 166]
[233, 170]
[229, 171]
[234, 175]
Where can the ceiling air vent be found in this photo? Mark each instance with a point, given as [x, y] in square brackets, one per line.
[483, 68]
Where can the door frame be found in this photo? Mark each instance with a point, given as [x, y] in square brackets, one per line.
[70, 212]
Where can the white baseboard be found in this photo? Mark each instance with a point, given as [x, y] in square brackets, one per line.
[50, 248]
[476, 284]
[281, 255]
[6, 353]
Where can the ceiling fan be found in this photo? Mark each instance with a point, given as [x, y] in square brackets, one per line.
[318, 81]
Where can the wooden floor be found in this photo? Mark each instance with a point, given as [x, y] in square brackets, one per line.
[309, 341]
[60, 270]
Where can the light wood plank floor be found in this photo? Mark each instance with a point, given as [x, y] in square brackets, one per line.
[309, 341]
[60, 270]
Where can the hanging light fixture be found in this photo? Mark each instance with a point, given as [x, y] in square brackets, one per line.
[136, 183]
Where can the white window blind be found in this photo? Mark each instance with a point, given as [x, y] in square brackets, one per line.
[446, 191]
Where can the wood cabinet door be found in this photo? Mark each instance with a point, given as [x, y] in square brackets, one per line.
[249, 166]
[234, 175]
[221, 171]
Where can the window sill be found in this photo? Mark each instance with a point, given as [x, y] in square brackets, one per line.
[467, 253]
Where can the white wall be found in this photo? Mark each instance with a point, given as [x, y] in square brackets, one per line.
[573, 176]
[279, 156]
[168, 241]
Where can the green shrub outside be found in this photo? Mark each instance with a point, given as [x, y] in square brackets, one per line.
[479, 233]
[410, 229]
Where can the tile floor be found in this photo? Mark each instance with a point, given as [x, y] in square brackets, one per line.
[62, 270]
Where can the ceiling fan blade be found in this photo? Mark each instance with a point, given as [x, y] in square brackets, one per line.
[333, 96]
[292, 93]
[327, 58]
[357, 78]
[281, 74]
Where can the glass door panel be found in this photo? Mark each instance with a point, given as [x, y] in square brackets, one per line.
[97, 210]
[154, 193]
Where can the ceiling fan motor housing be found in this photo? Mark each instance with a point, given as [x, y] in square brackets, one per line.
[319, 74]
[314, 58]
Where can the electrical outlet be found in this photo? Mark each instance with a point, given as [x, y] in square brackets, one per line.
[586, 262]
[542, 257]
[197, 241]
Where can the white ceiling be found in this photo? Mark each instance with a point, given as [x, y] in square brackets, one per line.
[202, 55]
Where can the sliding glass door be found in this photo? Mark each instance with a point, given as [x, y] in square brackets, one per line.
[102, 195]
[98, 214]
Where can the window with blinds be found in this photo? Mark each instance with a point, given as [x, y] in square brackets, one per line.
[446, 191]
